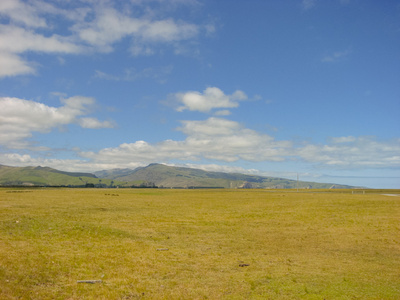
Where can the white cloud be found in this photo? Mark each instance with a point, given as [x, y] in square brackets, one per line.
[132, 74]
[353, 152]
[138, 49]
[308, 4]
[71, 165]
[214, 138]
[15, 40]
[211, 98]
[221, 139]
[336, 56]
[224, 112]
[22, 13]
[168, 31]
[221, 168]
[90, 26]
[343, 139]
[106, 28]
[12, 65]
[110, 26]
[217, 139]
[94, 123]
[227, 141]
[20, 118]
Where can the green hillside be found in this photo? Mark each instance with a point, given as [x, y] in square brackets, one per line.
[44, 176]
[154, 175]
[167, 176]
[112, 174]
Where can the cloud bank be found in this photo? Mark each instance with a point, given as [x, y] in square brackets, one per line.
[224, 141]
[213, 139]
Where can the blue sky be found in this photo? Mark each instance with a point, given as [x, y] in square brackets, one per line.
[275, 88]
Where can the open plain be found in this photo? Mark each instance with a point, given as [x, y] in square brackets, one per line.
[199, 244]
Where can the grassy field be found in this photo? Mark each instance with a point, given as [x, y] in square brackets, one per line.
[198, 244]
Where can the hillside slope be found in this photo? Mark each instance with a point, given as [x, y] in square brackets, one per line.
[43, 176]
[167, 176]
[153, 175]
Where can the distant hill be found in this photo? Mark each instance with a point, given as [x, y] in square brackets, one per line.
[179, 177]
[154, 175]
[44, 176]
[113, 173]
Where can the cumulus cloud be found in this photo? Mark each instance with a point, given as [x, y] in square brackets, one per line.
[353, 152]
[221, 139]
[211, 98]
[20, 118]
[90, 26]
[227, 141]
[214, 138]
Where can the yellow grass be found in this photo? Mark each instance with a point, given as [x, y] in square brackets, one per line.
[198, 244]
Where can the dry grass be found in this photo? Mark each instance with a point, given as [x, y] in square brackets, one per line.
[198, 244]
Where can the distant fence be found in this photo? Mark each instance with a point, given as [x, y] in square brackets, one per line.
[358, 192]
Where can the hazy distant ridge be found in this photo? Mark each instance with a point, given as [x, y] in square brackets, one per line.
[42, 176]
[167, 176]
[154, 175]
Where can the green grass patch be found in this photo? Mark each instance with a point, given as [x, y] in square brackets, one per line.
[198, 244]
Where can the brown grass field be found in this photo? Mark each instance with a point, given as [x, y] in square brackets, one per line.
[199, 244]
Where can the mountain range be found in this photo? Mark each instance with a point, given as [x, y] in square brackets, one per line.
[154, 175]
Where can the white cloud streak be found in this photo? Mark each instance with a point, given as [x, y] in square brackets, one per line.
[308, 4]
[15, 40]
[132, 74]
[353, 152]
[71, 165]
[214, 138]
[93, 123]
[93, 27]
[22, 13]
[12, 65]
[211, 98]
[18, 40]
[19, 118]
[226, 142]
[336, 56]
